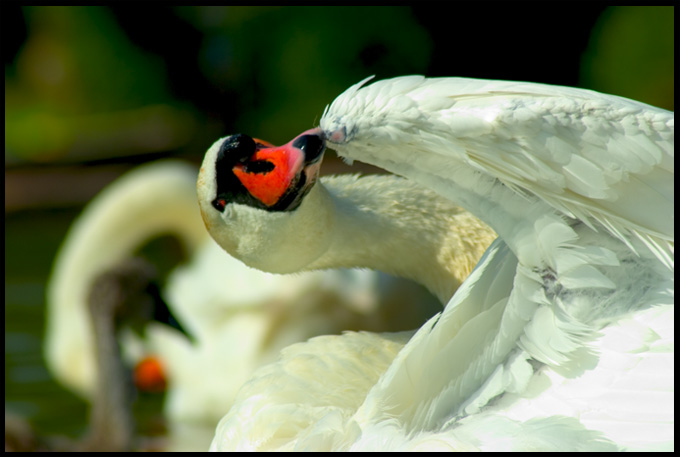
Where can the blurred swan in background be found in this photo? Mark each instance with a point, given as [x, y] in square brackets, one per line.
[237, 318]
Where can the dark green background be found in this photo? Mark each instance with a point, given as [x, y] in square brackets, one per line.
[93, 91]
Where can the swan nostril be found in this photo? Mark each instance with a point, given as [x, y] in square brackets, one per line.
[258, 166]
[313, 146]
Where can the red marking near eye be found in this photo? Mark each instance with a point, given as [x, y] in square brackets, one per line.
[268, 187]
[149, 375]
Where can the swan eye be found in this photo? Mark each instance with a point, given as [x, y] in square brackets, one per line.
[219, 204]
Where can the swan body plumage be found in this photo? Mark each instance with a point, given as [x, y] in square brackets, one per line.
[556, 335]
[319, 384]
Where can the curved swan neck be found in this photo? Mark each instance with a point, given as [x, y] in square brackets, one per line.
[393, 225]
[118, 295]
[512, 215]
[384, 222]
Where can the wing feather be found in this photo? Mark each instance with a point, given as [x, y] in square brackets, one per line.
[596, 157]
[541, 290]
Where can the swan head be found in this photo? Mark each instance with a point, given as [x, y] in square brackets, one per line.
[260, 204]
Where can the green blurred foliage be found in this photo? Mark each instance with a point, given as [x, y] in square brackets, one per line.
[288, 63]
[85, 86]
[81, 90]
[79, 87]
[631, 53]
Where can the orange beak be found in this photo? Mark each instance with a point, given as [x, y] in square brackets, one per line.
[277, 169]
[272, 172]
[149, 375]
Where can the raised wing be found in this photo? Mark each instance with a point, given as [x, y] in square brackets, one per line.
[592, 156]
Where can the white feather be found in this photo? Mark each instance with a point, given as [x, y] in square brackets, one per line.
[587, 154]
[552, 170]
[528, 353]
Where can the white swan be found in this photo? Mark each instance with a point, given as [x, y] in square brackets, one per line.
[573, 302]
[238, 318]
[100, 238]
